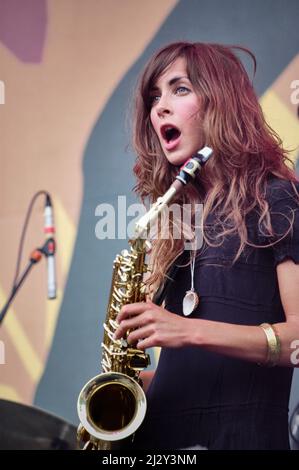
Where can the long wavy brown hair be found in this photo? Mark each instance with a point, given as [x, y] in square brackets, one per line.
[246, 151]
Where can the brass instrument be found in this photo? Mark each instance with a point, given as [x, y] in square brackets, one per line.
[112, 405]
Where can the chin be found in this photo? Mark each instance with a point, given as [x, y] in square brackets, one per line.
[177, 160]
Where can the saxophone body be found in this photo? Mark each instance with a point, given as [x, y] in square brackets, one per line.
[112, 405]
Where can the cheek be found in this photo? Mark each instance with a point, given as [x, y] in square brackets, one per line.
[154, 121]
[190, 113]
[195, 120]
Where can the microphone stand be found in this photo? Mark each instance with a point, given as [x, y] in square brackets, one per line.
[35, 257]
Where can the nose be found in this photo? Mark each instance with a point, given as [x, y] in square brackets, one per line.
[163, 107]
[163, 111]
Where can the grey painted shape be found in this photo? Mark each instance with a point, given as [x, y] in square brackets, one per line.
[269, 29]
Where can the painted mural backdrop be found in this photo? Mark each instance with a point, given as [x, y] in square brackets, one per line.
[67, 71]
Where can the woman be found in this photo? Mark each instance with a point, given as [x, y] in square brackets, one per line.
[215, 385]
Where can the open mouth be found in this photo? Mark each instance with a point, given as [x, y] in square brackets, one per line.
[170, 133]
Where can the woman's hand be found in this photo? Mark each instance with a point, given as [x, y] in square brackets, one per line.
[153, 326]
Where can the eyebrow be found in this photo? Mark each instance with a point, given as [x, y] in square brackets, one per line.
[172, 81]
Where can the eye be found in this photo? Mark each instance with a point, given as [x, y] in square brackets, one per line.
[181, 90]
[153, 99]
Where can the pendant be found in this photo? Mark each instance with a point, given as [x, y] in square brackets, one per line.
[190, 302]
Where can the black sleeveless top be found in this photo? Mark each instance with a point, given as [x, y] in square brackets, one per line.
[198, 397]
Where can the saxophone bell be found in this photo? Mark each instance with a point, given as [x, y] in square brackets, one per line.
[111, 406]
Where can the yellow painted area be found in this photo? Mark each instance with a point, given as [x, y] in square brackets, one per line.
[9, 393]
[282, 121]
[28, 356]
[65, 239]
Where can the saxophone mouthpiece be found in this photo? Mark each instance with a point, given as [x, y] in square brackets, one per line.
[192, 166]
[203, 155]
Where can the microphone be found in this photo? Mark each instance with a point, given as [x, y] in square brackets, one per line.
[50, 247]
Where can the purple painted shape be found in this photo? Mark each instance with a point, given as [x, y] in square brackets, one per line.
[23, 26]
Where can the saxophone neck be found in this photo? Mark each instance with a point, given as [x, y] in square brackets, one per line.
[147, 219]
[187, 173]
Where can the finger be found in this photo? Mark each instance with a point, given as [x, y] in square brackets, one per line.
[131, 324]
[131, 309]
[139, 334]
[120, 332]
[146, 343]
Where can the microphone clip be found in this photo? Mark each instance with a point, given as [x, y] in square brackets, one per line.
[49, 247]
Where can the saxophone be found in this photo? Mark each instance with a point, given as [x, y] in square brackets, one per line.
[112, 405]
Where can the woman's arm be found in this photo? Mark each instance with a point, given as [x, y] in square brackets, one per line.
[155, 326]
[249, 342]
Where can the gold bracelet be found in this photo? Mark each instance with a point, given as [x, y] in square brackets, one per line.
[273, 344]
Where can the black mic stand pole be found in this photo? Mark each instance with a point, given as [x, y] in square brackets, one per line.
[35, 257]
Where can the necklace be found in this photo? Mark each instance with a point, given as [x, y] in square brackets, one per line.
[191, 299]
